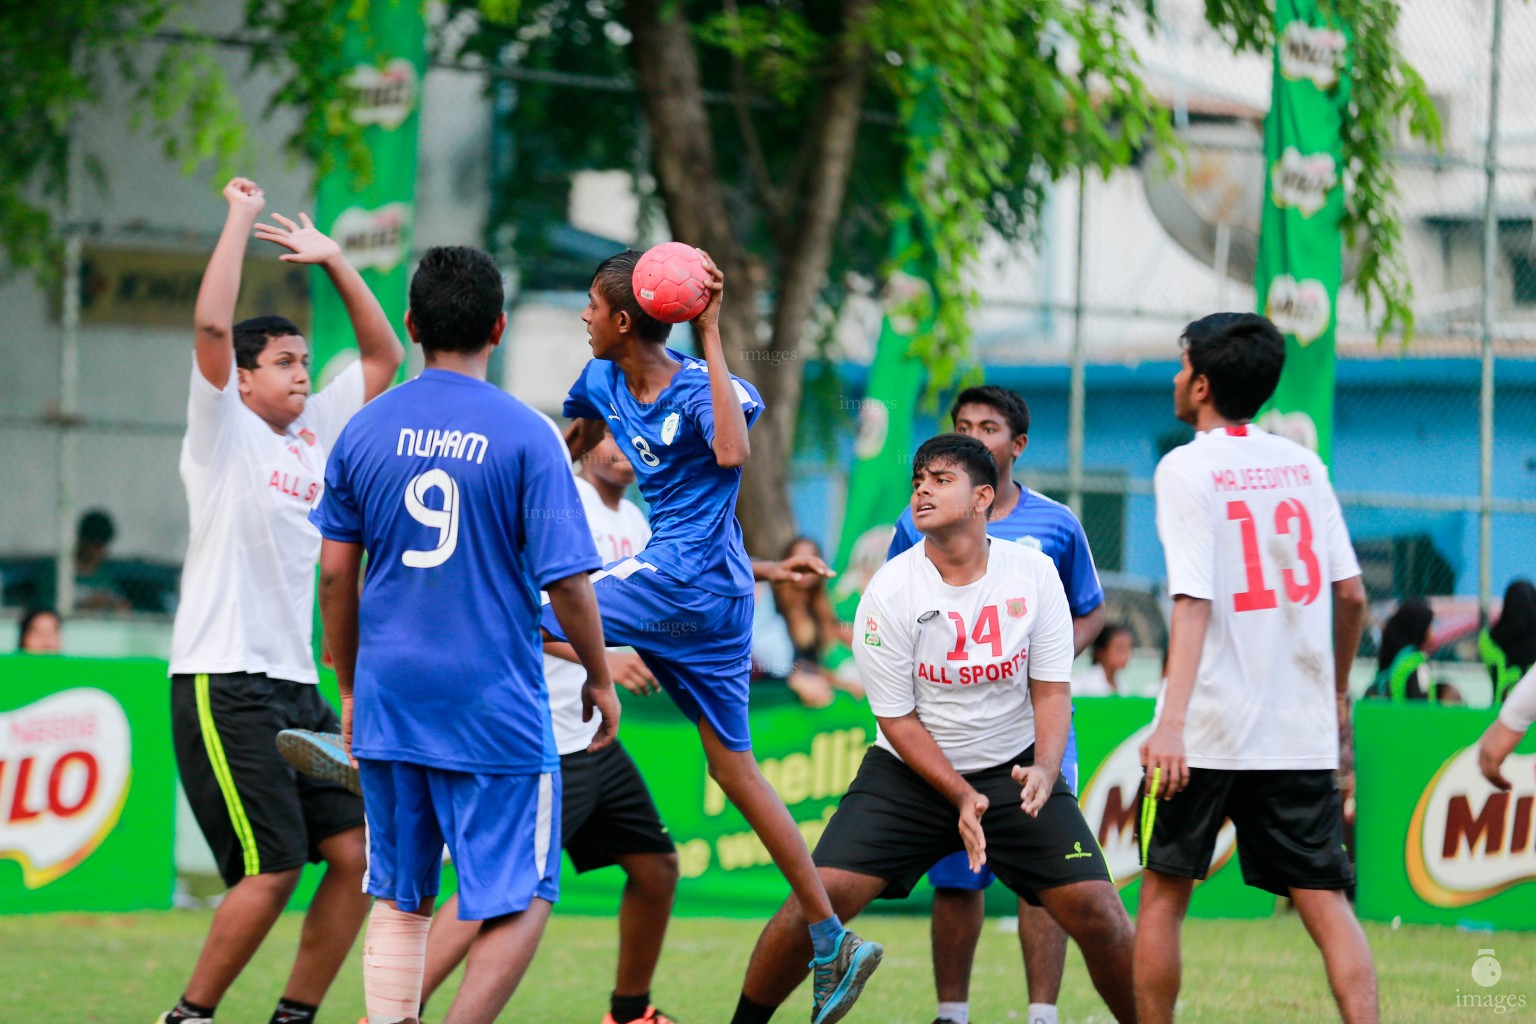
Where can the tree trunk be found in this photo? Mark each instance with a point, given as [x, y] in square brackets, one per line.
[683, 157]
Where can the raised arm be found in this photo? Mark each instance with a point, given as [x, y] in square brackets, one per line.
[730, 446]
[582, 436]
[378, 347]
[214, 314]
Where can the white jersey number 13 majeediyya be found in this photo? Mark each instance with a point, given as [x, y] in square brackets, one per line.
[1249, 522]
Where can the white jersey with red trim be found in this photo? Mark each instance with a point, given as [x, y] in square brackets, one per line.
[962, 657]
[1249, 522]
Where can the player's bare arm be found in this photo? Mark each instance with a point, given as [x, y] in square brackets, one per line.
[378, 346]
[575, 608]
[214, 314]
[730, 446]
[340, 564]
[1053, 720]
[1162, 755]
[1348, 623]
[1085, 628]
[628, 670]
[915, 745]
[582, 436]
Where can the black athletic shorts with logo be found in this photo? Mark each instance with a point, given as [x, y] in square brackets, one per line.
[1290, 828]
[606, 810]
[258, 815]
[893, 825]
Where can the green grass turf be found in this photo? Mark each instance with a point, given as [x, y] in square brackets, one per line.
[130, 967]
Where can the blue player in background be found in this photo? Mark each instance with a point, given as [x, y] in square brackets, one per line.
[463, 500]
[999, 419]
[685, 602]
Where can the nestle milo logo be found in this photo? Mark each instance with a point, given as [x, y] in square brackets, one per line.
[1301, 182]
[374, 238]
[1299, 308]
[1312, 54]
[1110, 806]
[383, 96]
[1467, 841]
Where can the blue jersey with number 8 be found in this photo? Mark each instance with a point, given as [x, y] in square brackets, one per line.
[464, 500]
[695, 538]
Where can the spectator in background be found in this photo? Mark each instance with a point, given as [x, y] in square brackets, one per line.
[813, 627]
[1509, 647]
[96, 587]
[1402, 666]
[1111, 653]
[42, 632]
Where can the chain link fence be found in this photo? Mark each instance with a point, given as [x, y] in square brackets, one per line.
[92, 412]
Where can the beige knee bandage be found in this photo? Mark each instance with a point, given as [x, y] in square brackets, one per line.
[394, 959]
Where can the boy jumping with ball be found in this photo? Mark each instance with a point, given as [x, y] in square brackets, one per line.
[685, 601]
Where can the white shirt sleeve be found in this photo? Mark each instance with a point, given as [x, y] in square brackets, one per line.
[885, 655]
[1519, 709]
[208, 412]
[1050, 635]
[1341, 552]
[337, 402]
[1185, 528]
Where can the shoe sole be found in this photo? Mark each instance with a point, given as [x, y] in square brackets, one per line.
[307, 752]
[866, 959]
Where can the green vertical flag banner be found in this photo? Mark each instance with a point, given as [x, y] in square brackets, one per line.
[372, 219]
[1300, 242]
[881, 481]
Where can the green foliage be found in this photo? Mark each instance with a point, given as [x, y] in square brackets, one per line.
[65, 56]
[1384, 93]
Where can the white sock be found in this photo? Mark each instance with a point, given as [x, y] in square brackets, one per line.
[1041, 1013]
[960, 1013]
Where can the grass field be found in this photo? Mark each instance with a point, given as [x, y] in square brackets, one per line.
[127, 968]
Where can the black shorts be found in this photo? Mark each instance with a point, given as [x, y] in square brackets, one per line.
[258, 815]
[893, 825]
[606, 811]
[1290, 828]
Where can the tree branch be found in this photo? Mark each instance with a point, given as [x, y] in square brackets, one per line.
[773, 197]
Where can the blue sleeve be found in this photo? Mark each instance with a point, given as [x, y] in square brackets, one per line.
[1078, 573]
[557, 540]
[906, 534]
[579, 403]
[701, 408]
[336, 514]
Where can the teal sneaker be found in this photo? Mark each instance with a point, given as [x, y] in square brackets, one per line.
[837, 981]
[319, 755]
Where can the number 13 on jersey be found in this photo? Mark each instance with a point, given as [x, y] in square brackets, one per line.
[1291, 520]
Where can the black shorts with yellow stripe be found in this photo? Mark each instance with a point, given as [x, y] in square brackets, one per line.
[258, 815]
[1290, 828]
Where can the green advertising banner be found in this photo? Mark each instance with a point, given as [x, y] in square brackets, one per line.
[87, 785]
[810, 757]
[371, 219]
[1300, 242]
[881, 480]
[1437, 844]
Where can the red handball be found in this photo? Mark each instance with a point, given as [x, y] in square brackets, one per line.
[671, 283]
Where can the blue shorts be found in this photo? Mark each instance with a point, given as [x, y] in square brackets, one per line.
[954, 871]
[502, 830]
[698, 645]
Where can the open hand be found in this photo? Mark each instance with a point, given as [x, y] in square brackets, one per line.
[245, 195]
[1498, 742]
[972, 807]
[307, 243]
[799, 568]
[629, 671]
[1037, 788]
[716, 286]
[606, 703]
